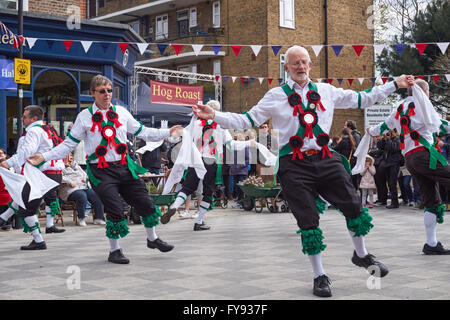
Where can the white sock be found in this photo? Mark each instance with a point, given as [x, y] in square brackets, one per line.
[179, 201]
[151, 233]
[316, 263]
[359, 245]
[7, 214]
[430, 222]
[114, 244]
[49, 220]
[31, 221]
[204, 206]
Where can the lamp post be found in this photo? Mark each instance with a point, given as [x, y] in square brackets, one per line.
[19, 86]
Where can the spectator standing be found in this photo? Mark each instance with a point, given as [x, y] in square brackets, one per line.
[404, 182]
[367, 184]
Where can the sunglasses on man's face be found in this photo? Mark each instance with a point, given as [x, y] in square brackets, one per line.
[103, 91]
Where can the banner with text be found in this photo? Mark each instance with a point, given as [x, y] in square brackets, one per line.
[7, 74]
[174, 93]
[376, 114]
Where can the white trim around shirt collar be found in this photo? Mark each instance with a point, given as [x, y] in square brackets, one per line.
[39, 122]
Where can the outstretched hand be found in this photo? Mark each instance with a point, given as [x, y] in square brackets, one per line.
[405, 81]
[203, 112]
[36, 159]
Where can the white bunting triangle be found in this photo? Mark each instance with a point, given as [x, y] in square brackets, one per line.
[317, 49]
[261, 80]
[142, 47]
[378, 48]
[447, 76]
[361, 80]
[31, 42]
[233, 79]
[86, 45]
[319, 80]
[256, 49]
[197, 48]
[443, 46]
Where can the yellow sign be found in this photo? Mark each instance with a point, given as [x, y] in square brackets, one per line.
[22, 71]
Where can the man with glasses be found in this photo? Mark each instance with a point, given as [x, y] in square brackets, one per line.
[111, 171]
[302, 112]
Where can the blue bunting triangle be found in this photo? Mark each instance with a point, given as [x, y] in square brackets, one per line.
[280, 80]
[162, 47]
[105, 47]
[373, 80]
[340, 80]
[252, 79]
[216, 49]
[337, 49]
[225, 78]
[50, 43]
[400, 48]
[276, 49]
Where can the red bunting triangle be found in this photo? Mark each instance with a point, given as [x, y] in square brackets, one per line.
[436, 78]
[217, 78]
[384, 79]
[420, 77]
[123, 46]
[421, 47]
[269, 80]
[242, 79]
[177, 48]
[236, 49]
[358, 49]
[350, 81]
[17, 41]
[330, 81]
[67, 44]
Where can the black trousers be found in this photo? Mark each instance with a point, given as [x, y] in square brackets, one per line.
[117, 182]
[191, 181]
[428, 179]
[33, 206]
[389, 176]
[302, 180]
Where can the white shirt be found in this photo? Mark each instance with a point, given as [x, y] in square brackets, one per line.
[81, 131]
[275, 105]
[35, 141]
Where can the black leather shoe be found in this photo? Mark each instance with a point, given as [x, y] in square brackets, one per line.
[201, 227]
[369, 261]
[35, 246]
[322, 286]
[54, 229]
[2, 222]
[437, 250]
[166, 216]
[160, 245]
[117, 257]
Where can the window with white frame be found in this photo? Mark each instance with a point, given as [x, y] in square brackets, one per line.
[216, 14]
[162, 27]
[192, 17]
[13, 4]
[287, 14]
[188, 68]
[216, 67]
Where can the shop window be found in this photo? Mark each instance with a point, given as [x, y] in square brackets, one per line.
[13, 4]
[119, 92]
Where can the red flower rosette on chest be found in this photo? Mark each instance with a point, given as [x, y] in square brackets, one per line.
[415, 136]
[314, 99]
[404, 122]
[296, 143]
[411, 107]
[399, 109]
[322, 140]
[295, 102]
[109, 133]
[112, 116]
[212, 147]
[97, 119]
[121, 149]
[308, 120]
[100, 152]
[204, 123]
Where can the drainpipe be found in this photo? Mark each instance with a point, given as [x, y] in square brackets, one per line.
[325, 13]
[20, 56]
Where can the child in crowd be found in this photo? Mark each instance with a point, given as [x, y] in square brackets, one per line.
[367, 184]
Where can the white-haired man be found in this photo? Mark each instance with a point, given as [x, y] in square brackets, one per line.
[417, 122]
[302, 111]
[209, 138]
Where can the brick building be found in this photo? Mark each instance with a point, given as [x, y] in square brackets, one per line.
[251, 22]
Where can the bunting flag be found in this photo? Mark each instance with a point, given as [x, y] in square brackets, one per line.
[31, 42]
[177, 48]
[443, 46]
[337, 49]
[420, 77]
[17, 41]
[358, 49]
[225, 78]
[256, 49]
[317, 50]
[123, 46]
[373, 80]
[162, 47]
[350, 81]
[243, 79]
[68, 44]
[340, 80]
[421, 47]
[447, 76]
[361, 80]
[330, 81]
[280, 80]
[400, 48]
[142, 47]
[275, 50]
[50, 44]
[252, 79]
[270, 80]
[217, 78]
[236, 49]
[378, 48]
[216, 49]
[384, 79]
[105, 46]
[86, 45]
[197, 48]
[233, 79]
[435, 77]
[261, 80]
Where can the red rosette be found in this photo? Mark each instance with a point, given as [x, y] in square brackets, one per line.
[399, 109]
[212, 147]
[314, 97]
[411, 107]
[309, 120]
[404, 122]
[415, 136]
[109, 133]
[100, 152]
[296, 143]
[121, 149]
[322, 140]
[211, 126]
[97, 119]
[111, 115]
[295, 101]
